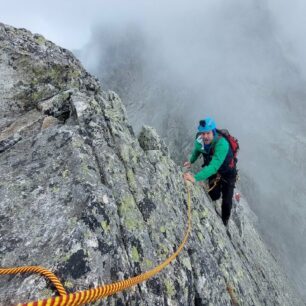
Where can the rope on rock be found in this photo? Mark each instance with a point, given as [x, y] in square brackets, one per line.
[92, 295]
[36, 269]
[232, 295]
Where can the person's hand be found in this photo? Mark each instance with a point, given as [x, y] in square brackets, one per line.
[187, 164]
[188, 177]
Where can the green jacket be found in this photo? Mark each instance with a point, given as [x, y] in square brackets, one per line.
[220, 146]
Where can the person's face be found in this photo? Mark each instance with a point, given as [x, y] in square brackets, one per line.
[207, 137]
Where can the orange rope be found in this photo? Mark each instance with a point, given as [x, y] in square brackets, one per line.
[36, 269]
[92, 295]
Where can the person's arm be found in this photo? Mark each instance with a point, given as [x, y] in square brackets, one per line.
[195, 152]
[221, 150]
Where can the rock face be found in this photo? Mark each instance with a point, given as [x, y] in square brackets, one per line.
[82, 196]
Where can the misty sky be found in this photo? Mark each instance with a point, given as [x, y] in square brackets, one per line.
[245, 57]
[69, 23]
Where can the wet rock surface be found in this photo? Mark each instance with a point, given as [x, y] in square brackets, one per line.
[82, 196]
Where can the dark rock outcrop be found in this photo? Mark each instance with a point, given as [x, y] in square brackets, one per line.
[82, 196]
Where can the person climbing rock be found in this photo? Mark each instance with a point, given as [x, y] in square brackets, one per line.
[219, 150]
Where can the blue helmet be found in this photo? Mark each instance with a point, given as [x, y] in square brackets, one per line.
[206, 125]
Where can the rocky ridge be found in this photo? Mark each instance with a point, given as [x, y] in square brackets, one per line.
[86, 198]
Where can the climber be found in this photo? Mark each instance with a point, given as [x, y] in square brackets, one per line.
[219, 154]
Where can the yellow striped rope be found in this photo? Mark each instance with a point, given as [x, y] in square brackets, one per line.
[36, 269]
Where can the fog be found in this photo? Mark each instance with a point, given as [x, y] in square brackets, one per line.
[239, 62]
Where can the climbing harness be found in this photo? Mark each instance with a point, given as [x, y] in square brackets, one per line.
[219, 178]
[216, 181]
[92, 295]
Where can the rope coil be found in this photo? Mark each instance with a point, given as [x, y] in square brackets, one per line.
[216, 181]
